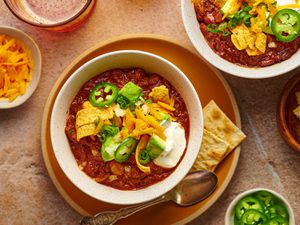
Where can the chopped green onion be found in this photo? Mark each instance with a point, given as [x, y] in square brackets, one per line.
[144, 157]
[232, 24]
[223, 26]
[237, 16]
[123, 102]
[107, 131]
[247, 8]
[213, 28]
[149, 101]
[243, 14]
[226, 33]
[246, 20]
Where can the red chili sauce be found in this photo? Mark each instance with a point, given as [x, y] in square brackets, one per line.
[124, 176]
[208, 13]
[292, 121]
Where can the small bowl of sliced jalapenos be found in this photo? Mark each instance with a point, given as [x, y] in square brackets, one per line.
[259, 206]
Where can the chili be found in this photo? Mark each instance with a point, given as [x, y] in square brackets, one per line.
[84, 151]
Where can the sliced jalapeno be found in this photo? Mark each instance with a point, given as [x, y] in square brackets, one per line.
[125, 149]
[253, 217]
[236, 221]
[278, 220]
[277, 209]
[286, 25]
[266, 197]
[103, 94]
[247, 203]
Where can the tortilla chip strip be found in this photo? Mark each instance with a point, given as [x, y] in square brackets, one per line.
[212, 152]
[219, 124]
[85, 130]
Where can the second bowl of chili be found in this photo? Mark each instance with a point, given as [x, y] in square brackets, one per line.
[216, 34]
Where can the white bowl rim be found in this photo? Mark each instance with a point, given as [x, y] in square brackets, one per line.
[182, 174]
[233, 69]
[248, 192]
[36, 71]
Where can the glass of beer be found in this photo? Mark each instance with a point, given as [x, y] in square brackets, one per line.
[56, 15]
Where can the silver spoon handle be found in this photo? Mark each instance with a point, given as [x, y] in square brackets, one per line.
[110, 217]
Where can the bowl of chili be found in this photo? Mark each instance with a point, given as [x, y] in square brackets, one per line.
[259, 206]
[288, 120]
[114, 176]
[244, 38]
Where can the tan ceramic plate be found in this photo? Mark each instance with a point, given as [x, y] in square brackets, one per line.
[209, 84]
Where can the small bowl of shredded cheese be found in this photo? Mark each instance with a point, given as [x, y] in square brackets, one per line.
[20, 67]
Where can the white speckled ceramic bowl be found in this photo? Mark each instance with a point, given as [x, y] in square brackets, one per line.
[229, 218]
[124, 59]
[193, 30]
[37, 60]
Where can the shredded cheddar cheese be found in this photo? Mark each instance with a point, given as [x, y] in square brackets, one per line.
[166, 106]
[289, 6]
[141, 145]
[16, 67]
[98, 128]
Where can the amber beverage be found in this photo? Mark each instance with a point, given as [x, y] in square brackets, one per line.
[56, 15]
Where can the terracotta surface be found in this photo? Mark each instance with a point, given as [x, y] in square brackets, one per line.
[27, 195]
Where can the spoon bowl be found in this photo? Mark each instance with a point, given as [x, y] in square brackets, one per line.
[195, 187]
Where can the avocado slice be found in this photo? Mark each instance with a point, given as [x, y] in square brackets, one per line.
[131, 92]
[155, 146]
[166, 119]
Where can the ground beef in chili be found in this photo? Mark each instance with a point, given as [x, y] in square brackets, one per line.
[208, 13]
[124, 176]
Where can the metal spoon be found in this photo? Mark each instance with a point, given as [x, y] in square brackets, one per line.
[195, 187]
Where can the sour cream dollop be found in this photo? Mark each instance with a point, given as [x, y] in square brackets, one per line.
[289, 3]
[286, 2]
[175, 145]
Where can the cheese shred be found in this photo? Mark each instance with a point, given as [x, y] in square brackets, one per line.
[16, 67]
